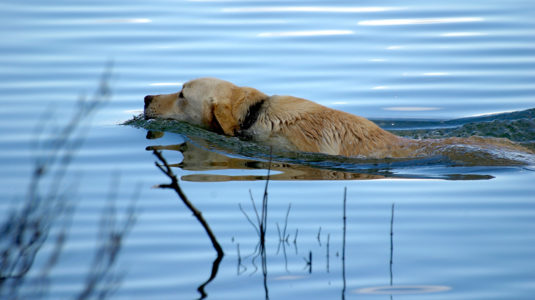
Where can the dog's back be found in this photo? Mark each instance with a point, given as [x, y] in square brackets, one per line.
[302, 125]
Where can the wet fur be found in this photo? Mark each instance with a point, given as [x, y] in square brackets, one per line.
[298, 124]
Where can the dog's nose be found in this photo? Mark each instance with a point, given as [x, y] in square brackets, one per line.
[148, 100]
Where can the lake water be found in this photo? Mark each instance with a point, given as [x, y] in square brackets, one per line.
[428, 230]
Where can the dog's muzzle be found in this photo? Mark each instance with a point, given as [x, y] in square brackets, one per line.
[148, 100]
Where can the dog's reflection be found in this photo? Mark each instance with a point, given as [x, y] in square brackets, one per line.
[197, 158]
[200, 155]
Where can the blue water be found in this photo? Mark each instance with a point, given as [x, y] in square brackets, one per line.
[452, 239]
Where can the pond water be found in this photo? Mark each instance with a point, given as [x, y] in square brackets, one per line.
[406, 230]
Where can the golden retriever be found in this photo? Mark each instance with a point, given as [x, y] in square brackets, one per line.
[296, 124]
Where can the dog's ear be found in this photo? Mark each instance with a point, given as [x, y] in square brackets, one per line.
[229, 112]
[222, 119]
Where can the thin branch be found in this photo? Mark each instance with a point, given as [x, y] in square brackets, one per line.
[286, 222]
[254, 207]
[344, 219]
[249, 219]
[166, 169]
[392, 244]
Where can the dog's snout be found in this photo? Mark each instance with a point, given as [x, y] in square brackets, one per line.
[148, 100]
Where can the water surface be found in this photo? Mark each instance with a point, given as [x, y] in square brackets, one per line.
[408, 230]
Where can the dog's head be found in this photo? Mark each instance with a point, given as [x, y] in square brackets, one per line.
[211, 103]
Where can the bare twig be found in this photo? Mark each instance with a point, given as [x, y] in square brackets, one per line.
[27, 229]
[254, 207]
[166, 169]
[101, 279]
[284, 235]
[241, 268]
[308, 262]
[263, 226]
[263, 223]
[213, 274]
[260, 228]
[344, 247]
[249, 219]
[328, 241]
[392, 245]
